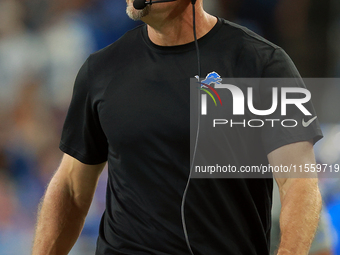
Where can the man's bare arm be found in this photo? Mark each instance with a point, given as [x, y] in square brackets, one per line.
[300, 199]
[65, 206]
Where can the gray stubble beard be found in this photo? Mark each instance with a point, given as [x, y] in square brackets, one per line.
[137, 14]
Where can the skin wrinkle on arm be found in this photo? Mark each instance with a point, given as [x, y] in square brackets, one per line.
[300, 199]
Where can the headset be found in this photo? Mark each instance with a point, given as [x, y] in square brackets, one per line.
[139, 5]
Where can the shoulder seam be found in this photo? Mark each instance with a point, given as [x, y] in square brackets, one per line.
[247, 32]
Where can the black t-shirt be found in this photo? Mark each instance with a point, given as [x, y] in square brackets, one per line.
[131, 106]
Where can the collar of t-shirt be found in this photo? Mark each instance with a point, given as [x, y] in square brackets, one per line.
[179, 48]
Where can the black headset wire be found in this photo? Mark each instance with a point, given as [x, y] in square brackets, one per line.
[197, 134]
[195, 36]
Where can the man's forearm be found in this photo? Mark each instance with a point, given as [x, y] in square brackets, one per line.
[65, 206]
[60, 221]
[301, 206]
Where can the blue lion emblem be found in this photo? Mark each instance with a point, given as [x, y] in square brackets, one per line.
[212, 77]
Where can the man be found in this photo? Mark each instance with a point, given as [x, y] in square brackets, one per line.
[131, 108]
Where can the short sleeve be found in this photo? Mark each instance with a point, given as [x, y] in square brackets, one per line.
[82, 135]
[295, 126]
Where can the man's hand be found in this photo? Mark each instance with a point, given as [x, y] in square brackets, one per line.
[65, 206]
[300, 199]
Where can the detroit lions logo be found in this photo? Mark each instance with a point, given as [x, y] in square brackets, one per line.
[212, 78]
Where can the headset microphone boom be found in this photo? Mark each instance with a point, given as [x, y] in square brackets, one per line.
[141, 4]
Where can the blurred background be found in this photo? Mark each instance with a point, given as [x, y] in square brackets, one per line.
[43, 43]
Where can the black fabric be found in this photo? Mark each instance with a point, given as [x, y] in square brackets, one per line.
[131, 107]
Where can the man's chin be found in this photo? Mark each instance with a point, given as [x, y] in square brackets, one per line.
[137, 14]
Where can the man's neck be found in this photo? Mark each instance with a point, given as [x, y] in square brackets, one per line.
[177, 27]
